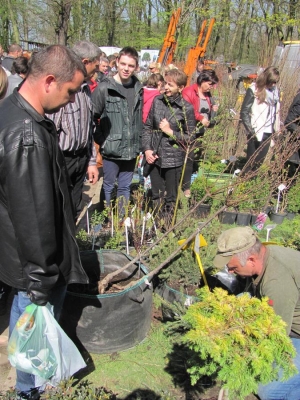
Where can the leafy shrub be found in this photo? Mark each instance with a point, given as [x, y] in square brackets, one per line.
[293, 198]
[67, 390]
[199, 188]
[286, 234]
[239, 340]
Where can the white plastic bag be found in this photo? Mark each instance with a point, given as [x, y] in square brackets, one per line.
[46, 342]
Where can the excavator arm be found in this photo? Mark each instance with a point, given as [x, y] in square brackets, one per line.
[199, 50]
[168, 48]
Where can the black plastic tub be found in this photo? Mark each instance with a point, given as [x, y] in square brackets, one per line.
[107, 323]
[243, 219]
[227, 217]
[203, 210]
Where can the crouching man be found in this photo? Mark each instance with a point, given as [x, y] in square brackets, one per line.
[275, 273]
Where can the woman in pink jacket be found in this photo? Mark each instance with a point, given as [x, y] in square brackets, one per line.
[154, 87]
[205, 110]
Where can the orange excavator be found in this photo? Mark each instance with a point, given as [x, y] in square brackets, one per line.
[199, 50]
[168, 48]
[170, 42]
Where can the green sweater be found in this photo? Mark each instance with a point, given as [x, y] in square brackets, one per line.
[280, 282]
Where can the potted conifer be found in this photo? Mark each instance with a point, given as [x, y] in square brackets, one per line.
[199, 188]
[239, 341]
[293, 200]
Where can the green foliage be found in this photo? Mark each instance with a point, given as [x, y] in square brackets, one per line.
[182, 269]
[240, 340]
[213, 165]
[116, 241]
[250, 195]
[98, 218]
[200, 187]
[68, 390]
[84, 240]
[293, 198]
[286, 234]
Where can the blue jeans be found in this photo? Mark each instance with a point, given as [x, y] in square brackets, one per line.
[25, 382]
[288, 390]
[117, 170]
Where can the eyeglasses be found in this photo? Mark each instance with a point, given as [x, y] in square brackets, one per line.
[152, 68]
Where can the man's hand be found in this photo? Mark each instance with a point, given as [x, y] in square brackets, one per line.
[93, 174]
[38, 298]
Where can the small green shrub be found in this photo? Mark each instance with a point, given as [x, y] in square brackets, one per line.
[200, 187]
[84, 240]
[286, 234]
[68, 390]
[293, 198]
[238, 340]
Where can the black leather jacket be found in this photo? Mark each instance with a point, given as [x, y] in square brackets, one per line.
[180, 115]
[37, 231]
[246, 112]
[292, 121]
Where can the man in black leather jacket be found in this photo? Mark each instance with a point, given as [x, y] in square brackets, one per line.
[39, 255]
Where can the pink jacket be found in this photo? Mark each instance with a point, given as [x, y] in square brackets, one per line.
[148, 96]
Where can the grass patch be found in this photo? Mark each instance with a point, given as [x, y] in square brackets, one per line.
[142, 367]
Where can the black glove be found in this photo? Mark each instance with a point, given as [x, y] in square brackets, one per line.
[39, 298]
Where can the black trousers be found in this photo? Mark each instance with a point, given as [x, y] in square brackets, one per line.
[76, 166]
[164, 184]
[257, 151]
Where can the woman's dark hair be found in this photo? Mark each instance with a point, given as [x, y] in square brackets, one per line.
[207, 76]
[20, 66]
[154, 80]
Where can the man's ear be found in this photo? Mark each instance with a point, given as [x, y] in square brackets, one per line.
[49, 81]
[85, 61]
[252, 259]
[181, 88]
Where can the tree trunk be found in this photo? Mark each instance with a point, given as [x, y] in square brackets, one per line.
[292, 15]
[63, 22]
[13, 20]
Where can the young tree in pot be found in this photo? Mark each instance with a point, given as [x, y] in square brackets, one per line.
[199, 188]
[239, 341]
[279, 212]
[293, 198]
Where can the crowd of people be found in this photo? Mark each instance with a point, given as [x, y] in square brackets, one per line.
[60, 110]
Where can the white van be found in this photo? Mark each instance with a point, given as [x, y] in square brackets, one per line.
[287, 59]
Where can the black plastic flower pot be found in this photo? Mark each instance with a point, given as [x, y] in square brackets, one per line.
[116, 320]
[278, 218]
[203, 210]
[290, 215]
[253, 219]
[227, 217]
[243, 219]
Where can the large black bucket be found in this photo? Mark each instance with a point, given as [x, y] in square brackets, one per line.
[109, 322]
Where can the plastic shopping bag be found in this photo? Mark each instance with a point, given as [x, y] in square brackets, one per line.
[39, 346]
[28, 348]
